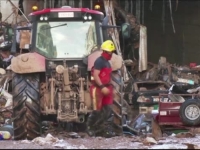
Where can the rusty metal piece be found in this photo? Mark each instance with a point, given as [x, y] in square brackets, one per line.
[66, 79]
[94, 99]
[88, 100]
[156, 130]
[52, 80]
[81, 91]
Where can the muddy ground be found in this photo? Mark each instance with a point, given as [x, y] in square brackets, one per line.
[82, 141]
[59, 138]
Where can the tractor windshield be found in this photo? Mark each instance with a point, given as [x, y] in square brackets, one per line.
[71, 39]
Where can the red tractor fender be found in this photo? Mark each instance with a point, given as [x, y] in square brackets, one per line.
[28, 63]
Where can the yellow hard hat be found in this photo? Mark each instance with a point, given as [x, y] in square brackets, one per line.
[108, 46]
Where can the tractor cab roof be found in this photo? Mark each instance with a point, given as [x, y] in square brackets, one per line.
[65, 9]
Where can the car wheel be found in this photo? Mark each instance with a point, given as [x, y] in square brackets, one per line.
[190, 112]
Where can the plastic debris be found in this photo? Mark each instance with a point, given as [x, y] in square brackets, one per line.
[5, 135]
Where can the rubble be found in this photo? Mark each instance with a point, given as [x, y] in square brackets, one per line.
[192, 146]
[185, 135]
[49, 139]
[183, 81]
[157, 132]
[149, 141]
[55, 142]
[164, 71]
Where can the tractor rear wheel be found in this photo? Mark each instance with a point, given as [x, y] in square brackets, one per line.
[26, 106]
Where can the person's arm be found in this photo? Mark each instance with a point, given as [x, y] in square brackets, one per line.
[98, 65]
[96, 77]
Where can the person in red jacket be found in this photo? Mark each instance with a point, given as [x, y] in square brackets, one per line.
[101, 119]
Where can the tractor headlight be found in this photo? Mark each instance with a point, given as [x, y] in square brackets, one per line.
[90, 17]
[85, 17]
[41, 18]
[45, 18]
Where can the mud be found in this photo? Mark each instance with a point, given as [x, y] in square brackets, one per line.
[82, 141]
[121, 142]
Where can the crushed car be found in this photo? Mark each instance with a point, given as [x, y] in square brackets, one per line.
[146, 93]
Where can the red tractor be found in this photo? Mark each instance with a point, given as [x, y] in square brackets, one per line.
[53, 79]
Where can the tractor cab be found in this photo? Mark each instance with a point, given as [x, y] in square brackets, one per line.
[69, 33]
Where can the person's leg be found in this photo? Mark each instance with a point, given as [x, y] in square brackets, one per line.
[95, 117]
[107, 103]
[92, 122]
[108, 121]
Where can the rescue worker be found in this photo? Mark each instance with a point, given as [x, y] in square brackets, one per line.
[100, 121]
[5, 54]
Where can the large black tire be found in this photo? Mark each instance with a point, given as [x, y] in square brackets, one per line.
[26, 106]
[186, 118]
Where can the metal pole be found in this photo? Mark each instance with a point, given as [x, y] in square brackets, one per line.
[138, 10]
[67, 1]
[142, 11]
[131, 6]
[80, 3]
[126, 5]
[45, 4]
[52, 3]
[71, 3]
[91, 4]
[49, 3]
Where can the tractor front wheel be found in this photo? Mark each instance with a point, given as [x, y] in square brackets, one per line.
[26, 106]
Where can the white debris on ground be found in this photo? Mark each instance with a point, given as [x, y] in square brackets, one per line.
[25, 141]
[49, 139]
[55, 142]
[120, 142]
[65, 145]
[178, 142]
[169, 146]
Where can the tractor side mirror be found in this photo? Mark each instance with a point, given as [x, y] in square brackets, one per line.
[126, 30]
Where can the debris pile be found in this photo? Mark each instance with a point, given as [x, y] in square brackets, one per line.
[164, 71]
[156, 90]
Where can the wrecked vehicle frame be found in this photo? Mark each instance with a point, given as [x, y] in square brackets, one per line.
[144, 92]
